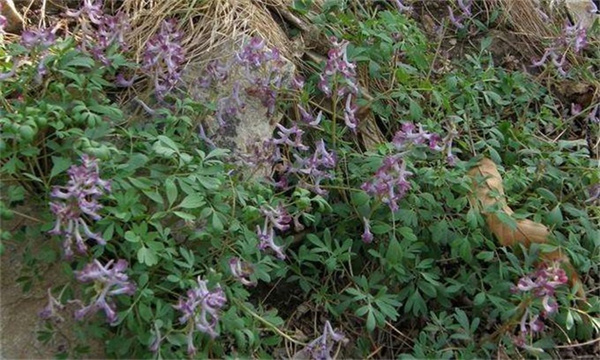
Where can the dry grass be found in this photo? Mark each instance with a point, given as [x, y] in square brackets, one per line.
[526, 21]
[212, 28]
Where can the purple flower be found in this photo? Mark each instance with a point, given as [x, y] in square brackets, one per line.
[241, 271]
[316, 166]
[298, 82]
[90, 8]
[157, 340]
[541, 284]
[38, 38]
[573, 36]
[164, 57]
[50, 311]
[350, 114]
[594, 115]
[266, 237]
[367, 236]
[286, 134]
[75, 202]
[466, 13]
[401, 7]
[321, 347]
[122, 82]
[109, 280]
[200, 310]
[279, 218]
[390, 182]
[594, 193]
[338, 71]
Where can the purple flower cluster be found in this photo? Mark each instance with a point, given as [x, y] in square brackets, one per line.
[40, 39]
[50, 310]
[109, 280]
[339, 76]
[542, 284]
[573, 36]
[164, 57]
[390, 182]
[201, 311]
[321, 347]
[465, 13]
[409, 134]
[75, 202]
[255, 71]
[275, 218]
[241, 271]
[291, 137]
[105, 31]
[317, 167]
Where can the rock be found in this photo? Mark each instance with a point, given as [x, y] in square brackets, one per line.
[15, 21]
[584, 11]
[253, 122]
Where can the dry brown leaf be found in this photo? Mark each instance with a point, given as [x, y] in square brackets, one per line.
[490, 193]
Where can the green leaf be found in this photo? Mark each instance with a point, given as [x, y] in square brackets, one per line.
[547, 194]
[171, 191]
[570, 321]
[371, 321]
[479, 299]
[147, 256]
[555, 217]
[506, 219]
[394, 252]
[154, 195]
[192, 201]
[185, 216]
[131, 237]
[59, 165]
[81, 61]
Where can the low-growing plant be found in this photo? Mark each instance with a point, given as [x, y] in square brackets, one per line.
[180, 251]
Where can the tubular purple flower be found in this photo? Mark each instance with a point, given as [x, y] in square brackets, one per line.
[285, 134]
[350, 114]
[38, 38]
[49, 311]
[164, 57]
[266, 237]
[122, 82]
[78, 199]
[241, 271]
[201, 310]
[157, 340]
[594, 115]
[298, 82]
[390, 182]
[401, 7]
[321, 347]
[279, 218]
[367, 236]
[456, 21]
[594, 193]
[109, 280]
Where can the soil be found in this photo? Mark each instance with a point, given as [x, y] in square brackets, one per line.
[19, 320]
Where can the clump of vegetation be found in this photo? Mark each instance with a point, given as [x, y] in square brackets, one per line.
[341, 250]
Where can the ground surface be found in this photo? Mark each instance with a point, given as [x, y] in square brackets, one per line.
[19, 320]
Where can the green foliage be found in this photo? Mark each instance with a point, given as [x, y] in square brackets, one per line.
[434, 283]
